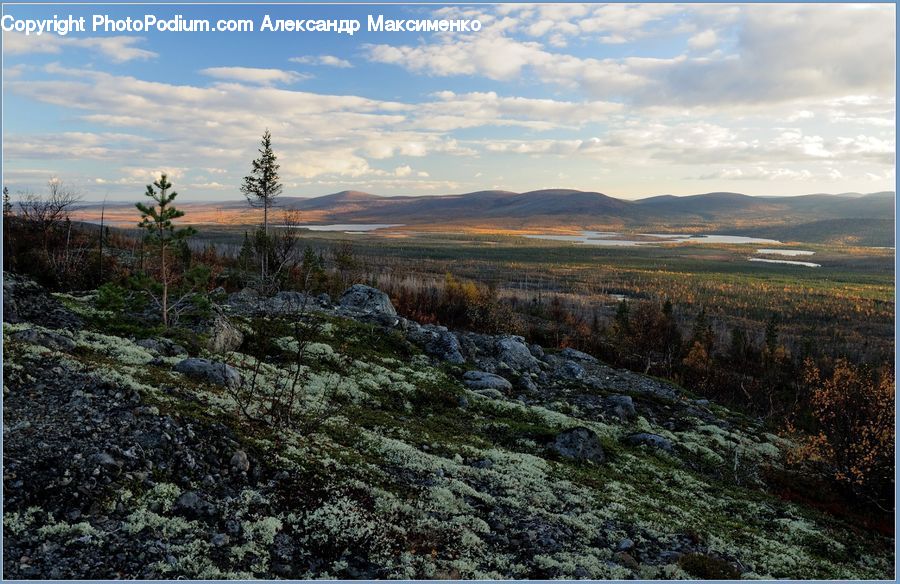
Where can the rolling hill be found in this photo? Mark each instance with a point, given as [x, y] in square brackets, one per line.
[567, 209]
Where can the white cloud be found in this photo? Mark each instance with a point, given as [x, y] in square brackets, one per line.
[325, 60]
[118, 49]
[759, 173]
[404, 170]
[254, 75]
[703, 41]
[782, 53]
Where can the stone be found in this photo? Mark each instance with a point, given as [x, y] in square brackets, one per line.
[163, 346]
[191, 504]
[577, 355]
[573, 370]
[240, 462]
[213, 372]
[622, 406]
[53, 341]
[27, 301]
[438, 342]
[367, 299]
[514, 353]
[581, 444]
[223, 337]
[480, 380]
[625, 545]
[647, 439]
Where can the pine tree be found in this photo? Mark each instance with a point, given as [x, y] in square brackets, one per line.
[261, 186]
[7, 205]
[157, 220]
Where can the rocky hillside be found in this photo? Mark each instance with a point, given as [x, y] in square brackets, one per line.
[402, 451]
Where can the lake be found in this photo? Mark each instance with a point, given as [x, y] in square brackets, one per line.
[348, 227]
[787, 262]
[615, 239]
[786, 252]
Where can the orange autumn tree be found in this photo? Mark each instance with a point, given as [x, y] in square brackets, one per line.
[853, 412]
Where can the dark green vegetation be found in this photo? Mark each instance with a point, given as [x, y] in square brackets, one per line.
[868, 232]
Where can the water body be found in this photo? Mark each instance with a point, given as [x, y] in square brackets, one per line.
[348, 227]
[788, 262]
[786, 252]
[615, 239]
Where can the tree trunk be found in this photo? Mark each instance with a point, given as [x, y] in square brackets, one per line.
[165, 293]
[265, 258]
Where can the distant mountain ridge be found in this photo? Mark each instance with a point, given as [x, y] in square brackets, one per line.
[550, 207]
[563, 209]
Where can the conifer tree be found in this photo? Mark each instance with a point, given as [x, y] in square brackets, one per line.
[7, 205]
[157, 219]
[261, 187]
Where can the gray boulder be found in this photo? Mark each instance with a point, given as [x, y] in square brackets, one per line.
[223, 337]
[191, 504]
[579, 444]
[477, 380]
[246, 299]
[577, 355]
[437, 341]
[163, 346]
[290, 301]
[572, 370]
[622, 406]
[537, 351]
[367, 299]
[651, 440]
[27, 301]
[213, 372]
[514, 353]
[53, 341]
[240, 461]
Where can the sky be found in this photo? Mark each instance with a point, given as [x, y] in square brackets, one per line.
[630, 100]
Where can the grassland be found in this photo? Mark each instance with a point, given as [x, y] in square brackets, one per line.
[845, 308]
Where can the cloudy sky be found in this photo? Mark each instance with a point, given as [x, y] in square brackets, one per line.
[629, 100]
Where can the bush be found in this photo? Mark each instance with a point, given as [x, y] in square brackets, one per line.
[112, 297]
[853, 428]
[708, 567]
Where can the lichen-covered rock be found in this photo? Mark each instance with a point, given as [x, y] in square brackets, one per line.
[484, 380]
[240, 461]
[579, 444]
[437, 341]
[647, 439]
[50, 340]
[515, 354]
[27, 301]
[573, 370]
[622, 406]
[163, 346]
[367, 299]
[577, 355]
[222, 336]
[213, 372]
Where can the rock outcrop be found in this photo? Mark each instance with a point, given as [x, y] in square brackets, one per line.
[213, 372]
[579, 444]
[367, 300]
[26, 301]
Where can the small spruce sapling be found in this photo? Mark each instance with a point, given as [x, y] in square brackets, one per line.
[162, 236]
